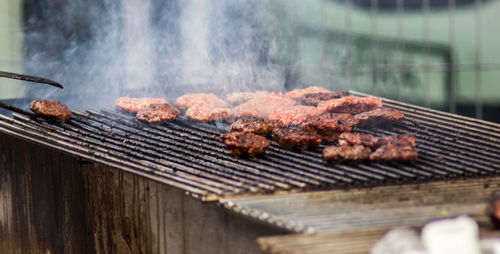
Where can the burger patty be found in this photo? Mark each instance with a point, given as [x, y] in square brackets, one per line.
[299, 93]
[242, 97]
[245, 143]
[199, 99]
[208, 113]
[394, 152]
[255, 125]
[51, 109]
[295, 114]
[346, 153]
[158, 113]
[350, 105]
[136, 104]
[264, 106]
[379, 116]
[313, 99]
[295, 138]
[330, 126]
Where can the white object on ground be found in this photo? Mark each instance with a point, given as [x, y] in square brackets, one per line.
[451, 236]
[490, 246]
[399, 241]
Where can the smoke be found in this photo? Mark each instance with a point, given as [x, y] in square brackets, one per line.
[101, 50]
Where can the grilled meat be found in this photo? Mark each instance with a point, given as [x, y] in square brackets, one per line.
[295, 114]
[299, 93]
[350, 105]
[135, 104]
[256, 126]
[402, 140]
[242, 97]
[346, 153]
[371, 141]
[158, 113]
[368, 140]
[394, 152]
[313, 99]
[379, 116]
[295, 138]
[330, 126]
[263, 106]
[199, 99]
[208, 113]
[51, 109]
[245, 143]
[397, 148]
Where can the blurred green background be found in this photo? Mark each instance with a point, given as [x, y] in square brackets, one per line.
[444, 58]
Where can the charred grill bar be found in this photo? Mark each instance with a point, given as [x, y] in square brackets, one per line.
[190, 157]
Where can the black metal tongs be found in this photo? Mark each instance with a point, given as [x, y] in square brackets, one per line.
[12, 75]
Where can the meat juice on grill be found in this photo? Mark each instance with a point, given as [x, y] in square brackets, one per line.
[158, 113]
[51, 109]
[298, 139]
[135, 104]
[245, 143]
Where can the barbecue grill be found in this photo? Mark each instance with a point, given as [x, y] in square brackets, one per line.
[123, 181]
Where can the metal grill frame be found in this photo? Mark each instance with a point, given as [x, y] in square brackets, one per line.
[191, 157]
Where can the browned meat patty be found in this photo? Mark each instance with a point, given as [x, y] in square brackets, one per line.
[136, 104]
[379, 116]
[295, 138]
[371, 141]
[330, 126]
[394, 152]
[346, 153]
[368, 140]
[350, 105]
[403, 140]
[200, 99]
[245, 143]
[158, 113]
[51, 109]
[313, 99]
[208, 113]
[264, 106]
[242, 97]
[257, 126]
[299, 93]
[295, 114]
[397, 148]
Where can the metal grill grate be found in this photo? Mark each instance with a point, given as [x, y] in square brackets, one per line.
[191, 156]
